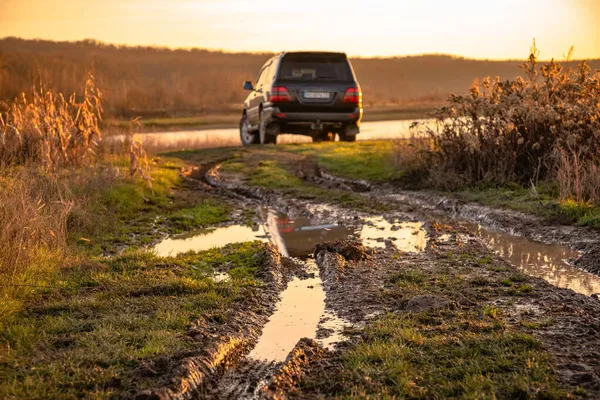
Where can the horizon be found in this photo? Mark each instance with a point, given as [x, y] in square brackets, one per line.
[267, 53]
[499, 30]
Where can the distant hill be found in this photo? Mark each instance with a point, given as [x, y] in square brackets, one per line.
[152, 81]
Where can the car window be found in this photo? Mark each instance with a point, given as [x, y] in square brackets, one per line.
[263, 75]
[259, 77]
[268, 78]
[294, 67]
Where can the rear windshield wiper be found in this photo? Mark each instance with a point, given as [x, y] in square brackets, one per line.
[326, 77]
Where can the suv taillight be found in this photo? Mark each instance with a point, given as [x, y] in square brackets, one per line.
[353, 95]
[279, 94]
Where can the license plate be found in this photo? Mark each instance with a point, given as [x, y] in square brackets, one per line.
[316, 95]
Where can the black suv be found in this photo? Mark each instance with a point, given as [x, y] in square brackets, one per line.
[305, 93]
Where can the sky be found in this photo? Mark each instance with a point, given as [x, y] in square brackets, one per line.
[490, 29]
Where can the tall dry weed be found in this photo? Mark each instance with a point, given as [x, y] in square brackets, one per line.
[33, 221]
[51, 130]
[50, 175]
[524, 130]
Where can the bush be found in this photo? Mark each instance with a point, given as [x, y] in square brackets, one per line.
[524, 130]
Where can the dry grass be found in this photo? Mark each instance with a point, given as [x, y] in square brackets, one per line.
[51, 172]
[33, 222]
[159, 83]
[524, 130]
[52, 130]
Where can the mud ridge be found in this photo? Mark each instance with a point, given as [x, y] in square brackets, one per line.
[354, 286]
[263, 197]
[583, 239]
[306, 353]
[193, 374]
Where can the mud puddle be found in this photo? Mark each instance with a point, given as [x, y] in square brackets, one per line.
[301, 311]
[299, 314]
[406, 236]
[549, 262]
[210, 238]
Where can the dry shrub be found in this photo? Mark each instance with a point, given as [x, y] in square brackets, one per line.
[524, 130]
[578, 177]
[33, 222]
[410, 155]
[51, 130]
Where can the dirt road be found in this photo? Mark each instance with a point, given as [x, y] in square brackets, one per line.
[262, 273]
[384, 293]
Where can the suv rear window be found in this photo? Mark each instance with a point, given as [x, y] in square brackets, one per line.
[309, 67]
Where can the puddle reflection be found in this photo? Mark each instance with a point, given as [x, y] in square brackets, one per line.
[406, 236]
[549, 262]
[301, 235]
[298, 315]
[210, 238]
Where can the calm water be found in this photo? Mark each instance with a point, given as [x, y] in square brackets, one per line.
[185, 140]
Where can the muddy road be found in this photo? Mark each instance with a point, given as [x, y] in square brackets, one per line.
[377, 292]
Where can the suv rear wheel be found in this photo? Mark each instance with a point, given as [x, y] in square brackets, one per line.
[347, 138]
[267, 132]
[247, 136]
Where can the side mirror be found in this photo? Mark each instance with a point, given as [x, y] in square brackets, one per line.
[248, 86]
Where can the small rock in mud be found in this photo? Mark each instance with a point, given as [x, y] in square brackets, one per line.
[351, 250]
[426, 302]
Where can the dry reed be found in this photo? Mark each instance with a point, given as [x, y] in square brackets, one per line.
[546, 126]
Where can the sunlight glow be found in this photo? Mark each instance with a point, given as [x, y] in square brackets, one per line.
[474, 28]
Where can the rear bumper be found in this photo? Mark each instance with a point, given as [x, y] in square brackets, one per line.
[308, 118]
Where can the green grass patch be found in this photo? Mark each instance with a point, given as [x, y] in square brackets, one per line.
[270, 174]
[369, 160]
[208, 212]
[542, 201]
[462, 355]
[584, 213]
[103, 327]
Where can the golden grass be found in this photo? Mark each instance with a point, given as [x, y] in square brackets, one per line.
[51, 130]
[50, 167]
[33, 222]
[524, 130]
[163, 83]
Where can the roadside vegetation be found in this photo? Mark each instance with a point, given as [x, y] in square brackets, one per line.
[77, 314]
[196, 87]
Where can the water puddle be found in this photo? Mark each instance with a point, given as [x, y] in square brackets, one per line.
[210, 238]
[299, 236]
[406, 236]
[299, 314]
[549, 262]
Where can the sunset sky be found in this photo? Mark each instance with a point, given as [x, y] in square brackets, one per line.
[494, 29]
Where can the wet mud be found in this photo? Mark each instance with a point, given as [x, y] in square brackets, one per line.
[337, 274]
[583, 239]
[220, 347]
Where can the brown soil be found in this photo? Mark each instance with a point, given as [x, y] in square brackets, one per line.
[360, 285]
